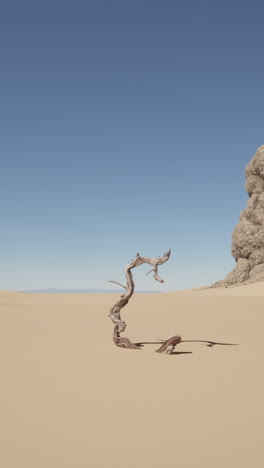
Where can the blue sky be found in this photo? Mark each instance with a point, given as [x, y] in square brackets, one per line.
[125, 127]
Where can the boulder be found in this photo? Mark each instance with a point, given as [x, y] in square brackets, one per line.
[248, 235]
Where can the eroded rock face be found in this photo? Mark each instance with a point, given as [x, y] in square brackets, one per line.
[248, 235]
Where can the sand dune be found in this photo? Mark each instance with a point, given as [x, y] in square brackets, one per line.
[70, 398]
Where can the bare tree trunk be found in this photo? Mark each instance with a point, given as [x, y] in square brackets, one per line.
[169, 345]
[114, 314]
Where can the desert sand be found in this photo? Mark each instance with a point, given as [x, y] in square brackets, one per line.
[70, 398]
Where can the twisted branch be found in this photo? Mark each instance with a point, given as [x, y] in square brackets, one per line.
[114, 314]
[169, 345]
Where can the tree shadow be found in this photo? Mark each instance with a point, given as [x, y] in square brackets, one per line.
[209, 344]
[142, 343]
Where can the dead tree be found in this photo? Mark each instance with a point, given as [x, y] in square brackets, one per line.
[120, 325]
[169, 345]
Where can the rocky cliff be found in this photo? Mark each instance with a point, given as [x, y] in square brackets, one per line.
[248, 235]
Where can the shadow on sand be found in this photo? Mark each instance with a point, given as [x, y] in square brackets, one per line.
[210, 344]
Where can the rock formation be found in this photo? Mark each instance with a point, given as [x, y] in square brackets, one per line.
[248, 235]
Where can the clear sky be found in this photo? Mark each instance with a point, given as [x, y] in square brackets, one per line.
[126, 127]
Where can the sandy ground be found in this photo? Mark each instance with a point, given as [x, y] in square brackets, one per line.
[70, 398]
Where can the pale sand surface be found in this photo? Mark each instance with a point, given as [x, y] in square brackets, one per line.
[70, 398]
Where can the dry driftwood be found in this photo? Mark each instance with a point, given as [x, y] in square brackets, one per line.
[114, 314]
[169, 345]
